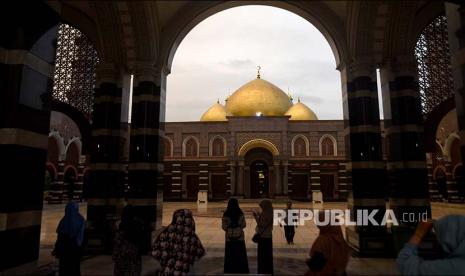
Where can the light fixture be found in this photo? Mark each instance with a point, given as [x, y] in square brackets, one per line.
[258, 114]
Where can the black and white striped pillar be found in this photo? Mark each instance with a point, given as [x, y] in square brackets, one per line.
[105, 190]
[406, 159]
[27, 53]
[365, 166]
[146, 147]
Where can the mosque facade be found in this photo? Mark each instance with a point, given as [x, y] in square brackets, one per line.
[260, 143]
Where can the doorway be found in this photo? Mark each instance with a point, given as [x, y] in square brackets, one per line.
[192, 185]
[327, 186]
[259, 180]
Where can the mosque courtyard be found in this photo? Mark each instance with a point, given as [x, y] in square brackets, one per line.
[288, 259]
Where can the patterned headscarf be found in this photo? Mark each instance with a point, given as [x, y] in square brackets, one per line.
[177, 246]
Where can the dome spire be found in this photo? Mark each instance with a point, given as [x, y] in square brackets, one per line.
[258, 71]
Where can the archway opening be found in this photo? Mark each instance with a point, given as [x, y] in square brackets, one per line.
[259, 180]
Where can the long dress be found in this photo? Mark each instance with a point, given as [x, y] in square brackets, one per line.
[235, 253]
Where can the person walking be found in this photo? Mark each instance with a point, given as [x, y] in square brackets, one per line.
[177, 247]
[128, 244]
[235, 253]
[263, 236]
[70, 237]
[289, 228]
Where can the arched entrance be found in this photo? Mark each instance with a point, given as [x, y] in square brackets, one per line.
[258, 173]
[259, 179]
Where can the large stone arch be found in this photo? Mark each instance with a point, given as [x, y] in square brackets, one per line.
[258, 143]
[317, 13]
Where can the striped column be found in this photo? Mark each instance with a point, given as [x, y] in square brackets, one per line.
[26, 64]
[78, 185]
[365, 165]
[231, 171]
[146, 148]
[455, 14]
[57, 194]
[203, 177]
[176, 181]
[289, 182]
[452, 192]
[315, 185]
[285, 178]
[342, 181]
[433, 189]
[105, 189]
[403, 122]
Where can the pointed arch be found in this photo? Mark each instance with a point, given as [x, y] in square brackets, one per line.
[293, 145]
[327, 144]
[211, 146]
[54, 134]
[168, 146]
[190, 146]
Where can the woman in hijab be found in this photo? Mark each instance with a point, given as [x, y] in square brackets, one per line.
[177, 246]
[264, 231]
[128, 244]
[450, 234]
[233, 223]
[70, 232]
[329, 254]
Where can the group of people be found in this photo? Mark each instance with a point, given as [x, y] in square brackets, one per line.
[177, 246]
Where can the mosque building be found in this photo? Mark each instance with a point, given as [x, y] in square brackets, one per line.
[258, 144]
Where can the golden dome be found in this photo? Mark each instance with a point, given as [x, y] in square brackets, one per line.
[216, 112]
[258, 96]
[300, 111]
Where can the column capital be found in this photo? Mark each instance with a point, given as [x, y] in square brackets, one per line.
[362, 66]
[146, 71]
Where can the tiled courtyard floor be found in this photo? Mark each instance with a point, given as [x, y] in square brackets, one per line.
[288, 259]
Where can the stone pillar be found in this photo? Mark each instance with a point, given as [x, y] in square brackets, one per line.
[363, 149]
[315, 185]
[285, 178]
[27, 55]
[452, 192]
[56, 194]
[240, 180]
[78, 185]
[342, 181]
[233, 178]
[455, 14]
[278, 185]
[146, 147]
[403, 123]
[433, 189]
[203, 177]
[176, 181]
[105, 193]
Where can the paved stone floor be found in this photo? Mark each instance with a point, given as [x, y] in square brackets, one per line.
[288, 259]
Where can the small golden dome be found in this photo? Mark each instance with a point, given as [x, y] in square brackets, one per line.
[300, 111]
[258, 96]
[216, 112]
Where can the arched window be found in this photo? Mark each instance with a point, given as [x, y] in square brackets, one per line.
[167, 147]
[300, 147]
[217, 147]
[191, 147]
[327, 146]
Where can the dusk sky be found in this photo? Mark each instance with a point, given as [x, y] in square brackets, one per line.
[222, 52]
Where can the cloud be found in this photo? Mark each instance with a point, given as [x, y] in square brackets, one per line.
[221, 54]
[237, 63]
